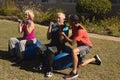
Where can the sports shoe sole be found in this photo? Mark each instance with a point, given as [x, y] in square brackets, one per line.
[98, 59]
[71, 77]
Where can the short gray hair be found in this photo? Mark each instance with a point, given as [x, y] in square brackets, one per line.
[61, 14]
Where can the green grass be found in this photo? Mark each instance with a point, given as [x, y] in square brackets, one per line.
[109, 51]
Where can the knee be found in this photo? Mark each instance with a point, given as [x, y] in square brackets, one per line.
[75, 52]
[21, 42]
[11, 39]
[39, 51]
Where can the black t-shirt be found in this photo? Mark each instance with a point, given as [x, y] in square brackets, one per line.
[55, 36]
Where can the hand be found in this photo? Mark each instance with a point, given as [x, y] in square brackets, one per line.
[51, 23]
[20, 21]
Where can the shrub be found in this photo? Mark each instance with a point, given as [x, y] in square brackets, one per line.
[108, 26]
[9, 11]
[20, 15]
[42, 17]
[53, 15]
[93, 7]
[50, 16]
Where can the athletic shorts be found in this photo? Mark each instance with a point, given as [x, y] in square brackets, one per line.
[85, 49]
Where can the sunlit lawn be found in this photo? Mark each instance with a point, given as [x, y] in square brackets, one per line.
[109, 51]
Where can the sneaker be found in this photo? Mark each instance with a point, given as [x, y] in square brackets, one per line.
[98, 60]
[38, 68]
[49, 74]
[71, 76]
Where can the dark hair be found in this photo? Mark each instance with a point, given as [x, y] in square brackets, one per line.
[74, 18]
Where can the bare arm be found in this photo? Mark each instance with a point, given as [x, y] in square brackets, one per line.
[20, 25]
[49, 31]
[70, 41]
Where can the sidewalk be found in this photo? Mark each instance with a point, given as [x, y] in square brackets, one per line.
[104, 37]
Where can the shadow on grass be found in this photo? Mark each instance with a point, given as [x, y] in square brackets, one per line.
[26, 64]
[3, 54]
[58, 72]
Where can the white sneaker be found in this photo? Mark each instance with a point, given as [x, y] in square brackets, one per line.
[38, 68]
[49, 74]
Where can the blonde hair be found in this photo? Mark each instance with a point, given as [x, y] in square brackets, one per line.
[31, 14]
[61, 14]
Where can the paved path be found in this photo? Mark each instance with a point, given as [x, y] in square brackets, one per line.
[90, 34]
[104, 37]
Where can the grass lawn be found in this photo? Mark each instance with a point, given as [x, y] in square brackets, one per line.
[109, 51]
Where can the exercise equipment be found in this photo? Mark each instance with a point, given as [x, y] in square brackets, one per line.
[30, 52]
[63, 60]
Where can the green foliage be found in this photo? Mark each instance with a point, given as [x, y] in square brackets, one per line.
[108, 26]
[9, 9]
[53, 14]
[114, 30]
[21, 15]
[93, 7]
[48, 16]
[41, 17]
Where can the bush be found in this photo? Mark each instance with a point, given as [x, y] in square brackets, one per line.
[53, 15]
[42, 17]
[93, 7]
[108, 26]
[50, 16]
[21, 15]
[9, 11]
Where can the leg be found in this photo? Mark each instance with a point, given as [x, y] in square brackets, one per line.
[73, 73]
[48, 63]
[40, 50]
[50, 53]
[81, 51]
[12, 45]
[50, 57]
[87, 62]
[75, 52]
[95, 59]
[22, 45]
